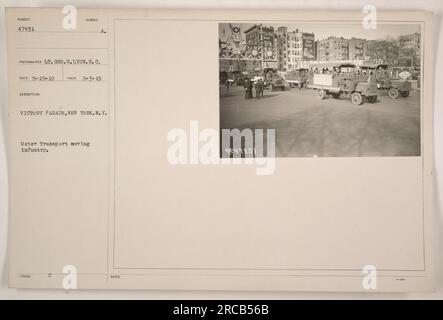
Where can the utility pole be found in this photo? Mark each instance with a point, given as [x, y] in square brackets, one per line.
[262, 48]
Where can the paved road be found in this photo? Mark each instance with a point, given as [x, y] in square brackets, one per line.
[306, 126]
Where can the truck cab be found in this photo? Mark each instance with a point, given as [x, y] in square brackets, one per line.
[395, 85]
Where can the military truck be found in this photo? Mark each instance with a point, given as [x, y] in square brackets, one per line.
[277, 83]
[343, 80]
[394, 85]
[297, 78]
[274, 81]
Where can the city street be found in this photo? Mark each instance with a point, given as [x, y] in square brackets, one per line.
[306, 126]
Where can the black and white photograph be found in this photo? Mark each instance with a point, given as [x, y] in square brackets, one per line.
[311, 171]
[328, 90]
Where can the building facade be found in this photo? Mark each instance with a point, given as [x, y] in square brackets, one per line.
[333, 49]
[356, 49]
[258, 47]
[281, 36]
[294, 48]
[409, 50]
[261, 47]
[382, 51]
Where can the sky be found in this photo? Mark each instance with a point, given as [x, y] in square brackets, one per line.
[323, 31]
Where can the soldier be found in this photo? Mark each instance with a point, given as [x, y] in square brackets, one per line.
[262, 88]
[250, 86]
[258, 89]
[246, 86]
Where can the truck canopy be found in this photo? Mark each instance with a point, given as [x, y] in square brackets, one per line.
[368, 65]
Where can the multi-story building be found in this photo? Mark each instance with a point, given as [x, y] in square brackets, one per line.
[309, 48]
[409, 53]
[261, 46]
[356, 49]
[404, 51]
[294, 47]
[381, 51]
[281, 38]
[333, 49]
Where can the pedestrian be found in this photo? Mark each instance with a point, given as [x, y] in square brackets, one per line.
[258, 86]
[262, 88]
[246, 86]
[250, 86]
[227, 86]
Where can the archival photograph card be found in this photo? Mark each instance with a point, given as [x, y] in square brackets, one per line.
[220, 150]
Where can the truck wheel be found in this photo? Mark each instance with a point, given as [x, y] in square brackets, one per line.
[393, 93]
[356, 98]
[404, 94]
[372, 99]
[336, 95]
[321, 94]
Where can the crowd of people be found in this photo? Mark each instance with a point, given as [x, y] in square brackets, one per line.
[258, 85]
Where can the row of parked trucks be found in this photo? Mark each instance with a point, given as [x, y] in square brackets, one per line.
[357, 83]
